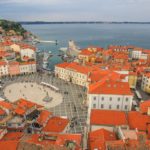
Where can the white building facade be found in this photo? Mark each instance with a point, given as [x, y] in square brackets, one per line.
[72, 75]
[28, 52]
[145, 86]
[114, 96]
[139, 54]
[3, 69]
[136, 54]
[110, 102]
[29, 67]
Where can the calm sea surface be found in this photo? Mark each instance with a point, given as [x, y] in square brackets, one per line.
[90, 34]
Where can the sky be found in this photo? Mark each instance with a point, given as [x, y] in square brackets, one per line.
[75, 10]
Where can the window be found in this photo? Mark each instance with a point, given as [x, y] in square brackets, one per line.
[9, 124]
[126, 107]
[102, 98]
[109, 106]
[118, 99]
[102, 105]
[117, 106]
[94, 98]
[94, 105]
[127, 99]
[110, 98]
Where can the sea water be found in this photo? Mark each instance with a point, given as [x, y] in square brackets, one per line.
[89, 34]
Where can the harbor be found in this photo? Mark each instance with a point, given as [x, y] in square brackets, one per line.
[65, 54]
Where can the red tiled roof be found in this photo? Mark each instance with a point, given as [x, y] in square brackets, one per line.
[147, 75]
[62, 65]
[25, 46]
[7, 43]
[4, 54]
[6, 105]
[62, 138]
[86, 52]
[104, 75]
[137, 120]
[102, 134]
[59, 140]
[44, 115]
[98, 138]
[2, 112]
[118, 144]
[90, 50]
[129, 144]
[148, 130]
[146, 51]
[97, 145]
[13, 136]
[2, 63]
[107, 52]
[108, 86]
[9, 145]
[19, 111]
[35, 139]
[98, 75]
[108, 117]
[56, 124]
[120, 56]
[144, 106]
[23, 105]
[78, 67]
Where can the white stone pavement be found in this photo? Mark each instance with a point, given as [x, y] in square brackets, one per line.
[33, 92]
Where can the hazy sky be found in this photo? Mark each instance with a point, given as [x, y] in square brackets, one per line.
[75, 10]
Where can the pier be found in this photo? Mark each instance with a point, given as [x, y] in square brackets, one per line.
[45, 41]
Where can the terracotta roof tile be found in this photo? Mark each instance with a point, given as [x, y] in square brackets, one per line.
[13, 136]
[9, 145]
[107, 86]
[137, 120]
[59, 140]
[144, 106]
[98, 138]
[6, 105]
[44, 115]
[2, 112]
[108, 117]
[86, 52]
[56, 124]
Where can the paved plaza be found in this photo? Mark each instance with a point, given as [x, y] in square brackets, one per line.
[69, 102]
[34, 92]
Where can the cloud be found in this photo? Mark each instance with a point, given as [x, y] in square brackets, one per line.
[28, 2]
[107, 10]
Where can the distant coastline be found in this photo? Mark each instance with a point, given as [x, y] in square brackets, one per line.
[79, 22]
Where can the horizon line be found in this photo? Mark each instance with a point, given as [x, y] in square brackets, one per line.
[84, 22]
